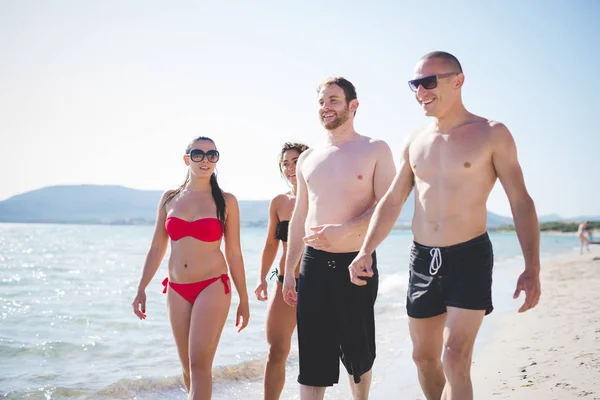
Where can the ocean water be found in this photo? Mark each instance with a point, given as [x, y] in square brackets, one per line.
[67, 330]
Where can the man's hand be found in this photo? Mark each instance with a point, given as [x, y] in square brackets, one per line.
[529, 281]
[361, 267]
[325, 237]
[290, 296]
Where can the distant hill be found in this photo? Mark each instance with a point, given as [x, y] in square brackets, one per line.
[558, 218]
[111, 204]
[549, 218]
[82, 204]
[100, 204]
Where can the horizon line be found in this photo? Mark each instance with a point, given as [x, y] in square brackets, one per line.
[241, 199]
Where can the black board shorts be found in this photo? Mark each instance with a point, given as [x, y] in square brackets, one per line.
[336, 319]
[454, 276]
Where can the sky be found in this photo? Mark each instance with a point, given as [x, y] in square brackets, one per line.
[111, 92]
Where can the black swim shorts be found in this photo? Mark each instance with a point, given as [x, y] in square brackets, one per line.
[336, 318]
[457, 276]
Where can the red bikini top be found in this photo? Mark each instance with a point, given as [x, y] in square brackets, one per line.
[205, 229]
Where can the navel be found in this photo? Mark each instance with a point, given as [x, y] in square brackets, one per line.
[467, 164]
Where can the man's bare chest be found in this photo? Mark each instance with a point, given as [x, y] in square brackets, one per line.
[339, 171]
[446, 156]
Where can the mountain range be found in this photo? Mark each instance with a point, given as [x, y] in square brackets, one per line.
[111, 204]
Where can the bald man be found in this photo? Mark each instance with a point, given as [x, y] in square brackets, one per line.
[453, 166]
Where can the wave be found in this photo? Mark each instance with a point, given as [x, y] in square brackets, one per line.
[222, 375]
[247, 370]
[160, 387]
[57, 349]
[393, 284]
[45, 393]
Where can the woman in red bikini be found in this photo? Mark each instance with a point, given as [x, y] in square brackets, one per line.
[281, 318]
[198, 287]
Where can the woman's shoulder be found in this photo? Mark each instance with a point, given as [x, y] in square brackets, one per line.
[282, 198]
[167, 195]
[229, 198]
[279, 198]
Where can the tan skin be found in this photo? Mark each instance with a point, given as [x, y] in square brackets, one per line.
[197, 327]
[453, 166]
[336, 198]
[281, 319]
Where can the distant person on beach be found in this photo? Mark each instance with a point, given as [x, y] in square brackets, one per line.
[452, 165]
[339, 184]
[281, 319]
[582, 233]
[198, 286]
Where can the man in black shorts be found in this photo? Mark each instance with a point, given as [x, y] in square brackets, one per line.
[453, 166]
[338, 187]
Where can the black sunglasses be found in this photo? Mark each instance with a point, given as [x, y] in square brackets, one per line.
[198, 155]
[428, 82]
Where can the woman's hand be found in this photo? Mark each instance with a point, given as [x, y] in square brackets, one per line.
[243, 315]
[261, 291]
[139, 304]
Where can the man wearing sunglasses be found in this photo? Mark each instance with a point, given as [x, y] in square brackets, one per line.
[339, 184]
[453, 166]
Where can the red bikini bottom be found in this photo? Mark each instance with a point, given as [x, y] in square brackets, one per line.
[190, 291]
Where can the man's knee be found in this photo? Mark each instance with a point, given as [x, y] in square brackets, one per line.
[312, 392]
[426, 359]
[457, 356]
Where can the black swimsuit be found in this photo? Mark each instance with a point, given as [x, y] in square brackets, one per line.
[281, 233]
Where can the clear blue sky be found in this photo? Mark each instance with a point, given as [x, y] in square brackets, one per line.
[110, 92]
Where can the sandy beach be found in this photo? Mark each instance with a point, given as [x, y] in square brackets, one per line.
[550, 352]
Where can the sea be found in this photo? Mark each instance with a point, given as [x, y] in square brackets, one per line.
[67, 330]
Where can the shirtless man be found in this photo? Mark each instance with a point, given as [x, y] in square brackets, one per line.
[453, 166]
[339, 185]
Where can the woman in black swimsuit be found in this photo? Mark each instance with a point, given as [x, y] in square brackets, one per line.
[281, 318]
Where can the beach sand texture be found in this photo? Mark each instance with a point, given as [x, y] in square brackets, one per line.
[552, 351]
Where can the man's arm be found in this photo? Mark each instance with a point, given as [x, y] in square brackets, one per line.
[510, 174]
[506, 164]
[388, 209]
[295, 234]
[384, 217]
[383, 175]
[296, 228]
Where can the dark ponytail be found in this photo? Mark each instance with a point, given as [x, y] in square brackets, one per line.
[217, 193]
[219, 198]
